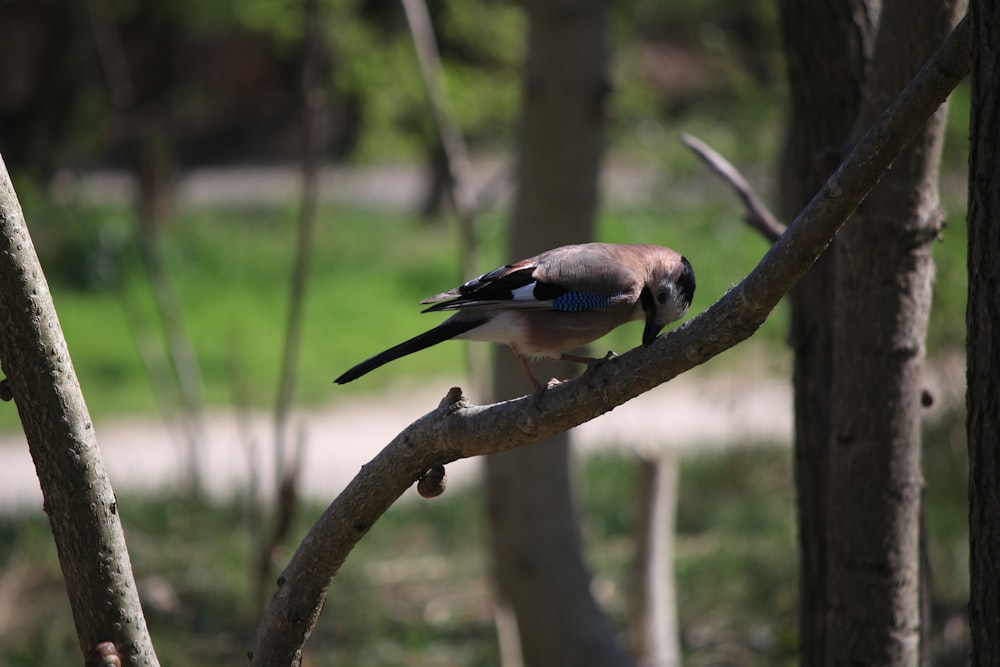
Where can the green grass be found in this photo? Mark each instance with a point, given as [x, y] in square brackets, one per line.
[230, 267]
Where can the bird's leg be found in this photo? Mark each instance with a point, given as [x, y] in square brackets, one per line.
[527, 369]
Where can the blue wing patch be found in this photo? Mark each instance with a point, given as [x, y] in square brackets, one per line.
[572, 302]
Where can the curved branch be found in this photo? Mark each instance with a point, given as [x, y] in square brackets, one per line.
[758, 215]
[457, 429]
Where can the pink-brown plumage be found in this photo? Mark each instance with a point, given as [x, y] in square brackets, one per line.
[558, 300]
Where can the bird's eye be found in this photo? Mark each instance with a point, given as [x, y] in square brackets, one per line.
[662, 297]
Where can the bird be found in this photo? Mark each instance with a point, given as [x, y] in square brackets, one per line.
[563, 298]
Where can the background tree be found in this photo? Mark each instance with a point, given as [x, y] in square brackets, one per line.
[827, 47]
[882, 301]
[858, 329]
[983, 343]
[536, 542]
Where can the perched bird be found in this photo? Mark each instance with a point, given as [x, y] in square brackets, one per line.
[556, 301]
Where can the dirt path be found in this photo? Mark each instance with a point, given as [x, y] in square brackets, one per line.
[144, 455]
[698, 410]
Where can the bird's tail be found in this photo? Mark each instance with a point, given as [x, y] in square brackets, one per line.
[445, 331]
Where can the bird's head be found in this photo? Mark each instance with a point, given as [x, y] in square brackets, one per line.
[666, 297]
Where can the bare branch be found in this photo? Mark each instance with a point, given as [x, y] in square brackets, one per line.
[466, 201]
[79, 500]
[314, 139]
[457, 429]
[456, 153]
[758, 215]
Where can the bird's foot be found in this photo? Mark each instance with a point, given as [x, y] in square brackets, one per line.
[542, 388]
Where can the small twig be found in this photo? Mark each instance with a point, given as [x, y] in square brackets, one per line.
[455, 151]
[758, 215]
[315, 133]
[459, 183]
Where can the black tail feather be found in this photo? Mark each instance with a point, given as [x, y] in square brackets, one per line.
[445, 331]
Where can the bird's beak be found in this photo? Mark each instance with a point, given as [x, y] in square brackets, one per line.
[651, 330]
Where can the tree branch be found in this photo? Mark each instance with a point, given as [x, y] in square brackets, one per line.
[455, 151]
[758, 215]
[79, 500]
[457, 429]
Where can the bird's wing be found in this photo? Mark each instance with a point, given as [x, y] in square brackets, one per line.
[571, 278]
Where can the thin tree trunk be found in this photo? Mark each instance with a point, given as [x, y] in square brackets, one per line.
[827, 46]
[149, 143]
[983, 344]
[288, 450]
[882, 299]
[79, 500]
[656, 641]
[536, 540]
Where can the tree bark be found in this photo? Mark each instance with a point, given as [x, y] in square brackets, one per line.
[827, 47]
[884, 274]
[537, 545]
[79, 500]
[983, 342]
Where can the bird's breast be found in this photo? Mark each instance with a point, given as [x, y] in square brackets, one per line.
[540, 333]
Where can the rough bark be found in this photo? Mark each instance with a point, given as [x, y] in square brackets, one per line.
[827, 46]
[884, 274]
[457, 430]
[537, 546]
[983, 342]
[78, 497]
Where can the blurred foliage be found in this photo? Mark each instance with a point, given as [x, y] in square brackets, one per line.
[221, 79]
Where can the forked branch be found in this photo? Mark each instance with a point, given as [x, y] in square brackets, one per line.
[758, 215]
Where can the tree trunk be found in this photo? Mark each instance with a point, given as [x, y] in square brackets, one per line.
[884, 274]
[827, 46]
[656, 637]
[536, 541]
[983, 342]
